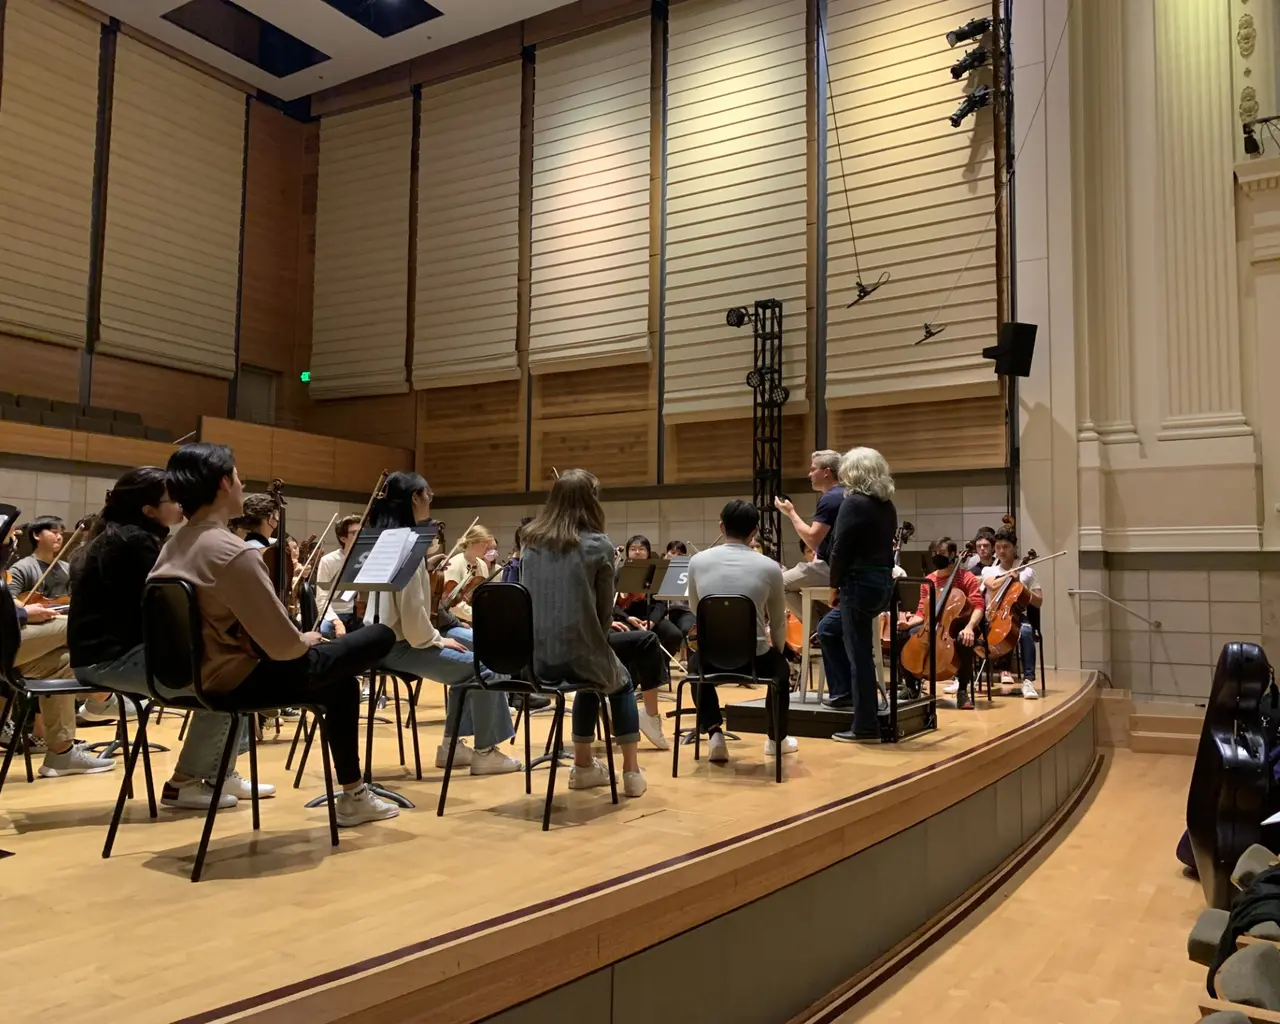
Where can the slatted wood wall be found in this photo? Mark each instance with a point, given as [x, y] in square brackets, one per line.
[699, 452]
[471, 438]
[964, 433]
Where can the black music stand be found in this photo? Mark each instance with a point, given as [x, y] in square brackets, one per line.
[362, 548]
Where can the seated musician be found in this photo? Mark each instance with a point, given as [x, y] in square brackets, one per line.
[943, 552]
[473, 562]
[824, 477]
[643, 611]
[104, 628]
[511, 571]
[42, 654]
[567, 567]
[639, 647]
[1006, 554]
[422, 650]
[983, 551]
[46, 534]
[734, 568]
[341, 617]
[238, 604]
[258, 523]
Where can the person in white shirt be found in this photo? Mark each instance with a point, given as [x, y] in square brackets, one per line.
[474, 561]
[341, 617]
[1006, 555]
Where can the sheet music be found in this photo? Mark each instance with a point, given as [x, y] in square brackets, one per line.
[389, 553]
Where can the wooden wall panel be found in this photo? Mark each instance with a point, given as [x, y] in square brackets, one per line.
[272, 216]
[471, 438]
[623, 388]
[966, 433]
[616, 450]
[721, 450]
[250, 442]
[39, 368]
[380, 419]
[165, 397]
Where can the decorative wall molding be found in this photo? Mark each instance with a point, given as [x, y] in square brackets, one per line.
[1177, 538]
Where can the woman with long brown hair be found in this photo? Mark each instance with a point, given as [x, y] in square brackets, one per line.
[567, 565]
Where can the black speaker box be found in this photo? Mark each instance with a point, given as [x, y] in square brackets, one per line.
[1013, 350]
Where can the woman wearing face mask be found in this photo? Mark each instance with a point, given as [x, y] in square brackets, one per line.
[421, 649]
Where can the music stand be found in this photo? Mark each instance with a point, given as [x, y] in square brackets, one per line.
[361, 549]
[673, 582]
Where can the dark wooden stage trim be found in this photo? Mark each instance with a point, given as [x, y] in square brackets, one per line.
[478, 911]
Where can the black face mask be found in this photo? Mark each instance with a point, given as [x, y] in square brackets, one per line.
[941, 561]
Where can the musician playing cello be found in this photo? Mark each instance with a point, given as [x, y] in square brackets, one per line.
[943, 553]
[1006, 552]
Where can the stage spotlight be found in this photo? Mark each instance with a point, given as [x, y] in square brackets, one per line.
[737, 317]
[976, 100]
[971, 61]
[974, 29]
[1251, 144]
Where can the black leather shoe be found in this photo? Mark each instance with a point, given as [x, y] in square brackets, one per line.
[837, 703]
[849, 736]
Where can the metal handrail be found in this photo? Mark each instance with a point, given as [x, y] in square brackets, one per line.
[1154, 623]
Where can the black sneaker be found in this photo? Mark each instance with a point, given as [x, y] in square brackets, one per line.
[849, 736]
[964, 700]
[837, 703]
[537, 702]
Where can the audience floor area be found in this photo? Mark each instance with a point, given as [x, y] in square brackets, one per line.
[1093, 929]
[132, 937]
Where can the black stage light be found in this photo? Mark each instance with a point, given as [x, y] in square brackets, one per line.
[1251, 144]
[976, 100]
[971, 61]
[737, 317]
[974, 29]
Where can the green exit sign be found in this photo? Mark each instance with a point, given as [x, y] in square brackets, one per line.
[305, 376]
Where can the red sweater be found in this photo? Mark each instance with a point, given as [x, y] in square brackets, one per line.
[966, 582]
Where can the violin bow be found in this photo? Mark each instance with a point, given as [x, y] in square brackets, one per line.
[377, 492]
[56, 560]
[315, 554]
[1026, 565]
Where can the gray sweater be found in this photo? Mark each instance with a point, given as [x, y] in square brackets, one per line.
[733, 568]
[573, 594]
[25, 571]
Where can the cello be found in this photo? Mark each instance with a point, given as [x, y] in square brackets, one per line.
[1004, 610]
[950, 606]
[277, 556]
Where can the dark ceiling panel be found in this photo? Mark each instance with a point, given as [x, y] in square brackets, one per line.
[387, 17]
[243, 34]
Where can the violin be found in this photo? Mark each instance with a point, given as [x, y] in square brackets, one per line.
[439, 587]
[455, 592]
[1004, 610]
[901, 535]
[950, 607]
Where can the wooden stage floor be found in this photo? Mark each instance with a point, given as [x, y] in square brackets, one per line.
[133, 938]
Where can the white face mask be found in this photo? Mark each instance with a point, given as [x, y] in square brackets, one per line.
[491, 554]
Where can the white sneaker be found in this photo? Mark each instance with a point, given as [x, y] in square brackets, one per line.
[789, 746]
[74, 761]
[461, 757]
[1006, 679]
[493, 762]
[238, 786]
[951, 687]
[717, 749]
[1029, 691]
[633, 784]
[106, 710]
[195, 795]
[361, 805]
[588, 778]
[651, 727]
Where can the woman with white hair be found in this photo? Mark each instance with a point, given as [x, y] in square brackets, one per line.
[861, 563]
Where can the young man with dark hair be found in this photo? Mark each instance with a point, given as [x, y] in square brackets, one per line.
[993, 577]
[733, 568]
[46, 533]
[983, 550]
[943, 553]
[237, 603]
[341, 617]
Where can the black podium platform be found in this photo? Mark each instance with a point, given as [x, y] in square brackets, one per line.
[810, 718]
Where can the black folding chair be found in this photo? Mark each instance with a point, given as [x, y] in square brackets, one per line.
[502, 623]
[1033, 617]
[727, 637]
[23, 694]
[171, 635]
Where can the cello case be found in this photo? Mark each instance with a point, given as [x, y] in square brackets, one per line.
[1230, 783]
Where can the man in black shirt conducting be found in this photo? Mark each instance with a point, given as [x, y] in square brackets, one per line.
[862, 579]
[824, 470]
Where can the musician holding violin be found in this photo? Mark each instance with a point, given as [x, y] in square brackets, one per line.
[258, 524]
[1011, 588]
[341, 617]
[42, 573]
[467, 569]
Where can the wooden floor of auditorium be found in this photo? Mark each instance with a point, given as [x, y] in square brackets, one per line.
[132, 938]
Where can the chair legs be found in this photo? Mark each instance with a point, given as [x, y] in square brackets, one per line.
[328, 777]
[675, 741]
[528, 752]
[608, 748]
[253, 773]
[233, 735]
[130, 763]
[23, 717]
[415, 691]
[557, 737]
[461, 693]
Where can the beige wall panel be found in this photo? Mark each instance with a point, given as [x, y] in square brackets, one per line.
[48, 126]
[360, 309]
[468, 227]
[920, 196]
[589, 283]
[736, 197]
[968, 433]
[172, 250]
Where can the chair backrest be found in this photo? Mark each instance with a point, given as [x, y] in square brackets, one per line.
[1033, 617]
[502, 624]
[10, 635]
[726, 632]
[307, 608]
[171, 636]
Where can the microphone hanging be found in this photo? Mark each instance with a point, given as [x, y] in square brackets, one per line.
[930, 331]
[865, 291]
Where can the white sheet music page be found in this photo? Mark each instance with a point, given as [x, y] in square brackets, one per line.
[389, 553]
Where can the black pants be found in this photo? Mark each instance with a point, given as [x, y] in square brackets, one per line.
[641, 656]
[683, 618]
[771, 667]
[671, 637]
[327, 675]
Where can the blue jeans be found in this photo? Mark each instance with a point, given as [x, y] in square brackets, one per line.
[1027, 649]
[625, 718]
[487, 716]
[835, 660]
[202, 749]
[349, 619]
[864, 594]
